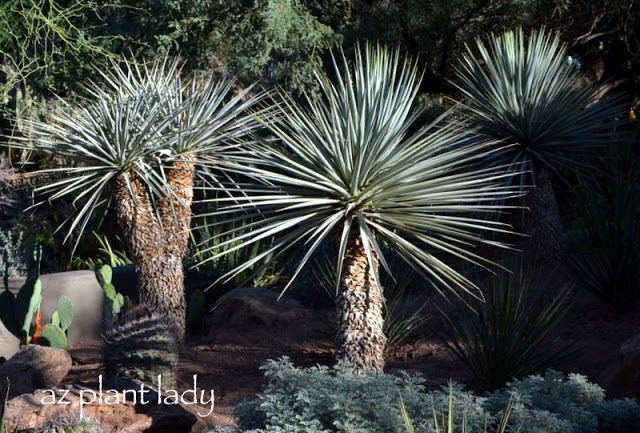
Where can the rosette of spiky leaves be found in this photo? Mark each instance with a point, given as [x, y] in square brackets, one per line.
[526, 94]
[511, 333]
[140, 121]
[350, 161]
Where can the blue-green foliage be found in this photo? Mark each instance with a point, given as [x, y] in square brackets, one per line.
[324, 400]
[565, 404]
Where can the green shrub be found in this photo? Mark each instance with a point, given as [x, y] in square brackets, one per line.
[324, 400]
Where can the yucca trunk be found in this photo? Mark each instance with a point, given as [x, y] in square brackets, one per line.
[158, 245]
[360, 338]
[543, 218]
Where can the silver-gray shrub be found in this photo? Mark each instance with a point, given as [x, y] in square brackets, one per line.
[555, 403]
[332, 400]
[324, 400]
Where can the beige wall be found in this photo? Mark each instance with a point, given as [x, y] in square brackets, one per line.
[85, 294]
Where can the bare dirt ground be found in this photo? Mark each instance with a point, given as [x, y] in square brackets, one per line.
[228, 360]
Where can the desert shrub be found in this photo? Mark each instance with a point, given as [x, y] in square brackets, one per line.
[555, 403]
[320, 399]
[510, 334]
[619, 416]
[327, 400]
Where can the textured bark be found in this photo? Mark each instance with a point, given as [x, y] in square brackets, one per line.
[158, 245]
[360, 338]
[543, 218]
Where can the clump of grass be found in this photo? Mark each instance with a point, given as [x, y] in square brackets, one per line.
[510, 334]
[608, 264]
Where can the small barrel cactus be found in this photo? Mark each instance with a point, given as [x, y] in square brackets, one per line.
[70, 422]
[142, 344]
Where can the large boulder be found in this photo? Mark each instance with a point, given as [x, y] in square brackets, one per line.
[255, 307]
[34, 367]
[622, 376]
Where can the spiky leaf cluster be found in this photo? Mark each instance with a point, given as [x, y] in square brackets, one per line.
[523, 92]
[351, 160]
[139, 121]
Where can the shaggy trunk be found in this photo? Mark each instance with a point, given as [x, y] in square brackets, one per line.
[360, 338]
[158, 245]
[543, 218]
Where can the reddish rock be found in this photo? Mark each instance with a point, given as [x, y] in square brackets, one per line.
[34, 367]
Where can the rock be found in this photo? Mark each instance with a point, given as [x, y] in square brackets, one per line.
[622, 375]
[119, 411]
[34, 367]
[254, 306]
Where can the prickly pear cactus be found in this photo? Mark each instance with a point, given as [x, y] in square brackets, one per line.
[142, 344]
[53, 336]
[70, 423]
[113, 301]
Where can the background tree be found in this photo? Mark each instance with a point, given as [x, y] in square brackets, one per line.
[275, 41]
[46, 47]
[523, 94]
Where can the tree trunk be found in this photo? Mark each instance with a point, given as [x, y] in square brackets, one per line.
[542, 219]
[360, 338]
[158, 245]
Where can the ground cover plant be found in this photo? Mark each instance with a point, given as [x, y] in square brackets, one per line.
[319, 399]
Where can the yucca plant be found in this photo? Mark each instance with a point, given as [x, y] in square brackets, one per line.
[548, 120]
[511, 333]
[139, 142]
[346, 167]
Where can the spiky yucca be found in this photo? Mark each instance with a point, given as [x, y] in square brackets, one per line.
[546, 119]
[141, 344]
[354, 168]
[139, 142]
